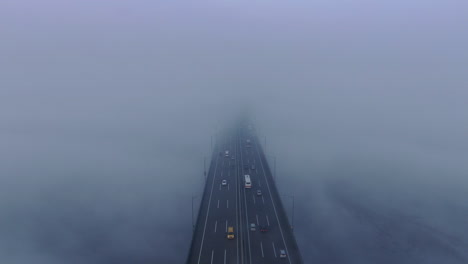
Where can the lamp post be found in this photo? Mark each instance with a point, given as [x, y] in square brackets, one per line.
[193, 198]
[292, 214]
[274, 165]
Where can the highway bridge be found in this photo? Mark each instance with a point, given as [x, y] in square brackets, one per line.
[262, 232]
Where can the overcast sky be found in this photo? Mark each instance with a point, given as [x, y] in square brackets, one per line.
[107, 108]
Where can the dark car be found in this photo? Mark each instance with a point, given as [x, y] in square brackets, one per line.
[263, 229]
[252, 167]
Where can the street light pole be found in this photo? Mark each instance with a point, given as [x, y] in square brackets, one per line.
[193, 225]
[274, 158]
[274, 165]
[204, 167]
[292, 213]
[292, 221]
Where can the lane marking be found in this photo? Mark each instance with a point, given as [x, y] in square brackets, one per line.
[274, 249]
[263, 200]
[227, 204]
[257, 219]
[253, 197]
[208, 212]
[237, 223]
[218, 203]
[261, 247]
[268, 220]
[224, 256]
[212, 255]
[226, 226]
[273, 203]
[246, 216]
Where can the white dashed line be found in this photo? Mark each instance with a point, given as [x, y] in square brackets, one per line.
[261, 247]
[224, 256]
[268, 221]
[216, 225]
[207, 214]
[263, 200]
[212, 255]
[226, 225]
[274, 249]
[257, 219]
[218, 203]
[227, 204]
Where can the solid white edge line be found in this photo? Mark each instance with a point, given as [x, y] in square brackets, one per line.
[208, 212]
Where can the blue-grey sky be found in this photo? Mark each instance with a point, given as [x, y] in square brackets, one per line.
[363, 102]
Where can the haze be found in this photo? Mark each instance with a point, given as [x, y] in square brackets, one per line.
[107, 109]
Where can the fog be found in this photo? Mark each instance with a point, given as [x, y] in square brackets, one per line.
[107, 109]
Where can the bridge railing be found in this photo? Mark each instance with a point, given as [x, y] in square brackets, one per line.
[200, 207]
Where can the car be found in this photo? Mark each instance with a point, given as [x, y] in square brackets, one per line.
[282, 253]
[252, 167]
[263, 229]
[252, 227]
[259, 192]
[233, 158]
[230, 232]
[224, 182]
[226, 153]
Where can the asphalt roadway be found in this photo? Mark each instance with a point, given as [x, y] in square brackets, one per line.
[233, 205]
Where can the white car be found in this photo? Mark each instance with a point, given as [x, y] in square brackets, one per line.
[282, 253]
[224, 182]
[259, 192]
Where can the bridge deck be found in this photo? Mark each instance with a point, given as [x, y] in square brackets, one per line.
[233, 205]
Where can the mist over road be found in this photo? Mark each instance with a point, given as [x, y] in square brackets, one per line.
[107, 109]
